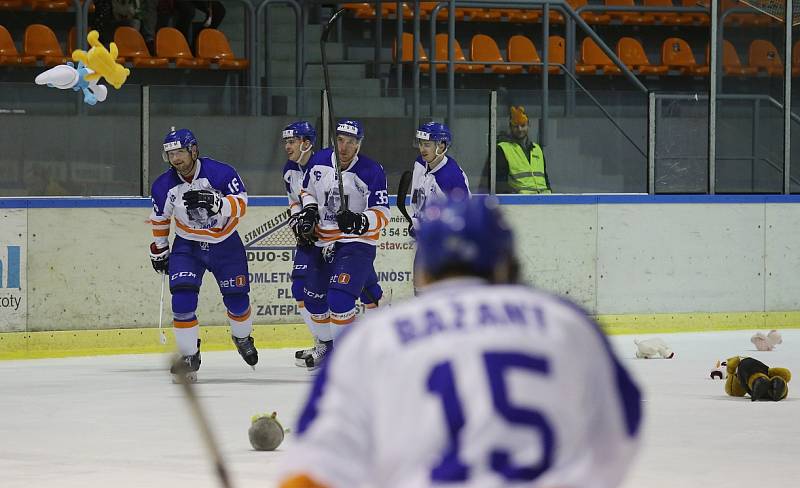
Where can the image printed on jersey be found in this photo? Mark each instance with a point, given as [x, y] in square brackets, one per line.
[197, 225]
[227, 261]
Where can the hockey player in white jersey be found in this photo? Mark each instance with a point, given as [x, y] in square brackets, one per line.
[478, 382]
[346, 229]
[298, 141]
[436, 176]
[207, 199]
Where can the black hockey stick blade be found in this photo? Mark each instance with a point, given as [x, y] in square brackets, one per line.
[402, 193]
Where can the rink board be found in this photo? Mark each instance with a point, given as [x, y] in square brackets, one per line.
[639, 262]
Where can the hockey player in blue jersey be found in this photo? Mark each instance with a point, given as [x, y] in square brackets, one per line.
[437, 177]
[478, 382]
[207, 199]
[346, 231]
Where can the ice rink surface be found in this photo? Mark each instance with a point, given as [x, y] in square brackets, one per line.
[118, 421]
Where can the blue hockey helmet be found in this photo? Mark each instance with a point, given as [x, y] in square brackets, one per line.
[301, 129]
[178, 139]
[434, 131]
[350, 127]
[467, 235]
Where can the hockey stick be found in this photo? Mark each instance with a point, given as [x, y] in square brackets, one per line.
[323, 40]
[402, 193]
[205, 429]
[163, 338]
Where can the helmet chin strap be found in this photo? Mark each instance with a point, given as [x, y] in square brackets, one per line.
[303, 152]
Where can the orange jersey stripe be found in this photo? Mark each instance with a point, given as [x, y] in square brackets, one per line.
[184, 325]
[240, 318]
[300, 481]
[343, 322]
[160, 233]
[234, 207]
[327, 320]
[210, 232]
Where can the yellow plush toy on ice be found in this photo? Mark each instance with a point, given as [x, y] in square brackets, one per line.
[102, 62]
[751, 376]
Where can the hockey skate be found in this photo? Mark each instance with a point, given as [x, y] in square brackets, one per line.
[186, 367]
[247, 349]
[301, 355]
[318, 355]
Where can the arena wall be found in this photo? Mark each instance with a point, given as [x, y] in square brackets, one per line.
[683, 261]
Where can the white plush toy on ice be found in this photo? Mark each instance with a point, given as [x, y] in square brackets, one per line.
[766, 342]
[654, 348]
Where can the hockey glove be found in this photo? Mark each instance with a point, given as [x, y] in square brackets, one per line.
[307, 221]
[159, 258]
[352, 223]
[411, 231]
[295, 223]
[207, 199]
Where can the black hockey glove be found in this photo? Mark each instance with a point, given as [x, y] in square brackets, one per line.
[207, 199]
[352, 223]
[411, 231]
[295, 223]
[159, 258]
[307, 221]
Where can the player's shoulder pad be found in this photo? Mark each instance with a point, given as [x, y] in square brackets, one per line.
[165, 181]
[217, 172]
[290, 166]
[320, 158]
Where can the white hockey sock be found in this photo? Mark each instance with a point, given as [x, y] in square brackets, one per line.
[336, 330]
[307, 318]
[320, 325]
[241, 325]
[186, 339]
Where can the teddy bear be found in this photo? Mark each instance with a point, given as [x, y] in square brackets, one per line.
[654, 348]
[749, 376]
[766, 342]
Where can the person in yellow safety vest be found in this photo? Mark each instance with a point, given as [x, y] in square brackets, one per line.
[520, 162]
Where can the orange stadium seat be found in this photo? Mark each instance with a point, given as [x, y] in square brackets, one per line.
[441, 55]
[72, 41]
[9, 56]
[483, 48]
[731, 64]
[668, 18]
[11, 4]
[171, 44]
[631, 52]
[590, 17]
[633, 18]
[522, 50]
[408, 54]
[133, 49]
[556, 53]
[523, 16]
[360, 10]
[593, 59]
[483, 14]
[755, 19]
[50, 5]
[214, 46]
[41, 43]
[697, 17]
[796, 59]
[427, 7]
[676, 53]
[764, 56]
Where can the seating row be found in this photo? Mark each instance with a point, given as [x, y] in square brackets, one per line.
[40, 5]
[389, 10]
[676, 57]
[41, 46]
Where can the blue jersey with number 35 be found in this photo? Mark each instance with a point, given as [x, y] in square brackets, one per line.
[470, 385]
